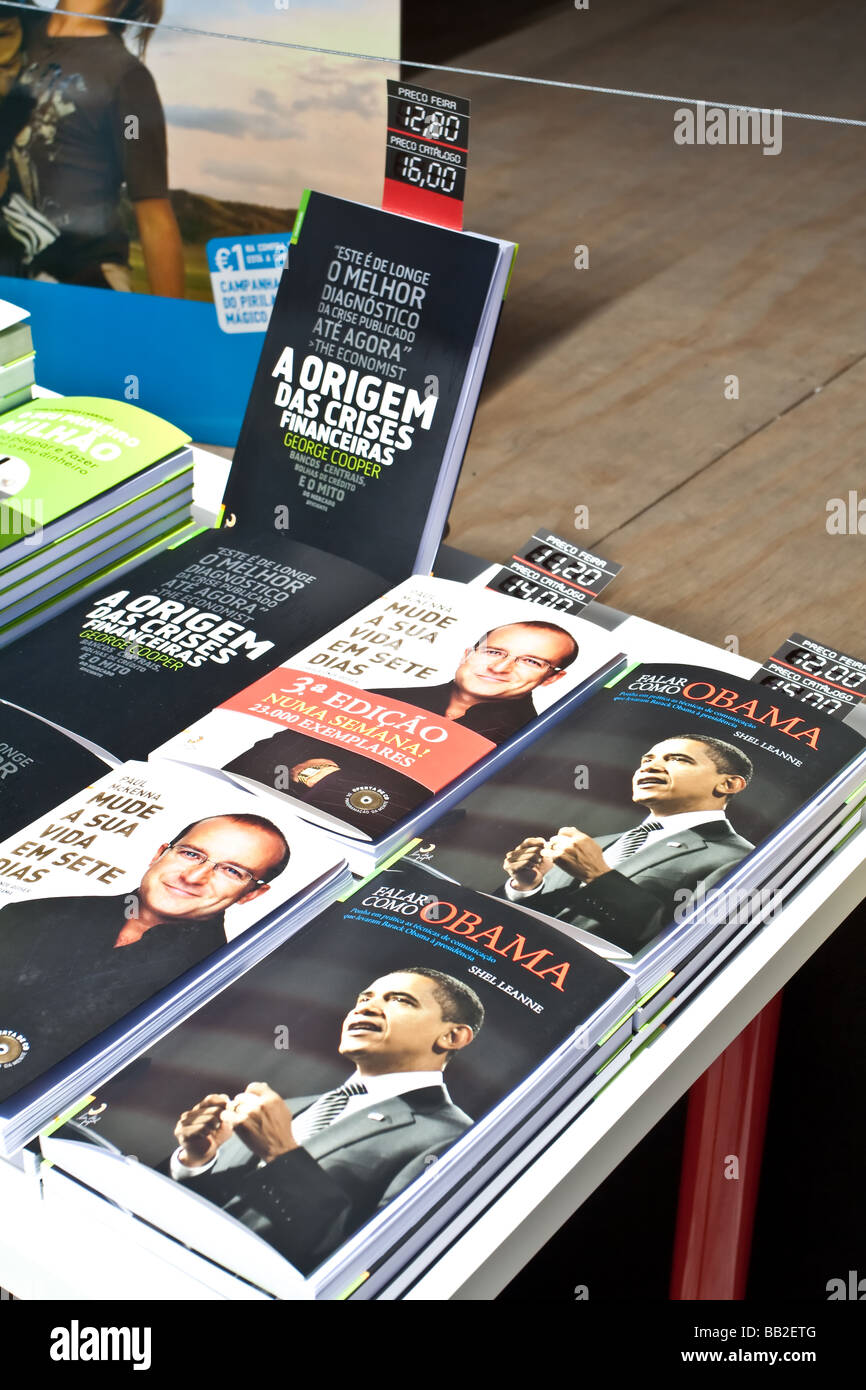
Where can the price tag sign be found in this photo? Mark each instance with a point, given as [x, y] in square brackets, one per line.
[244, 274]
[426, 154]
[554, 573]
[815, 675]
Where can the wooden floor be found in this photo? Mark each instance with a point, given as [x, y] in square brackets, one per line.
[607, 385]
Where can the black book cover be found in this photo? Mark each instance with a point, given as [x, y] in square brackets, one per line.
[146, 876]
[39, 766]
[715, 765]
[136, 662]
[368, 345]
[439, 1001]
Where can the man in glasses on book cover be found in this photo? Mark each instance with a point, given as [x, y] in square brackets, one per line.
[491, 693]
[70, 966]
[491, 690]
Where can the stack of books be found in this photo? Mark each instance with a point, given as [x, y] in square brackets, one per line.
[16, 357]
[85, 486]
[568, 824]
[137, 898]
[455, 1013]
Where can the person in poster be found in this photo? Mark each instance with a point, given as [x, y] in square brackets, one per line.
[304, 1173]
[625, 886]
[95, 128]
[70, 966]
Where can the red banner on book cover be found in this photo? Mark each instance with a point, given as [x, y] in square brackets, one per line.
[429, 748]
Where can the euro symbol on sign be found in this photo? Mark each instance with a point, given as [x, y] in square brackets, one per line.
[223, 256]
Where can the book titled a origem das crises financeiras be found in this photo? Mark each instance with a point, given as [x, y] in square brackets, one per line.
[340, 485]
[368, 381]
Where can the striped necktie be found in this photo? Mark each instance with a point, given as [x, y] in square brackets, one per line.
[633, 840]
[329, 1107]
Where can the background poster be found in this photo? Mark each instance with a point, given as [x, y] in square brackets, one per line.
[252, 117]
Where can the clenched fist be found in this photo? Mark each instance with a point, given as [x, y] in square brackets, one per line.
[261, 1118]
[528, 863]
[202, 1130]
[578, 854]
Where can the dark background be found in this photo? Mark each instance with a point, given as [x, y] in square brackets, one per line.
[440, 33]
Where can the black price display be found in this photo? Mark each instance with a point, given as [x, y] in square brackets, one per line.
[428, 145]
[515, 587]
[426, 173]
[567, 567]
[554, 573]
[818, 676]
[429, 123]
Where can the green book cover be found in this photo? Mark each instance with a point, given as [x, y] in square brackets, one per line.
[90, 541]
[33, 562]
[59, 457]
[169, 540]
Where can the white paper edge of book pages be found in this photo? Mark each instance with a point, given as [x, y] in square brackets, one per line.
[177, 1209]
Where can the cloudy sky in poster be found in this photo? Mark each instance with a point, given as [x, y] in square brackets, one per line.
[255, 122]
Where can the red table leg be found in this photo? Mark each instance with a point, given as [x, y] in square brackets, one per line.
[725, 1127]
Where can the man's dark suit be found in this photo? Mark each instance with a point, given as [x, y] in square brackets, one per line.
[633, 902]
[62, 980]
[498, 720]
[305, 1203]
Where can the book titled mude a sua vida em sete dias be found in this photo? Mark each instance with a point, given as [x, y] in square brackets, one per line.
[124, 906]
[375, 727]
